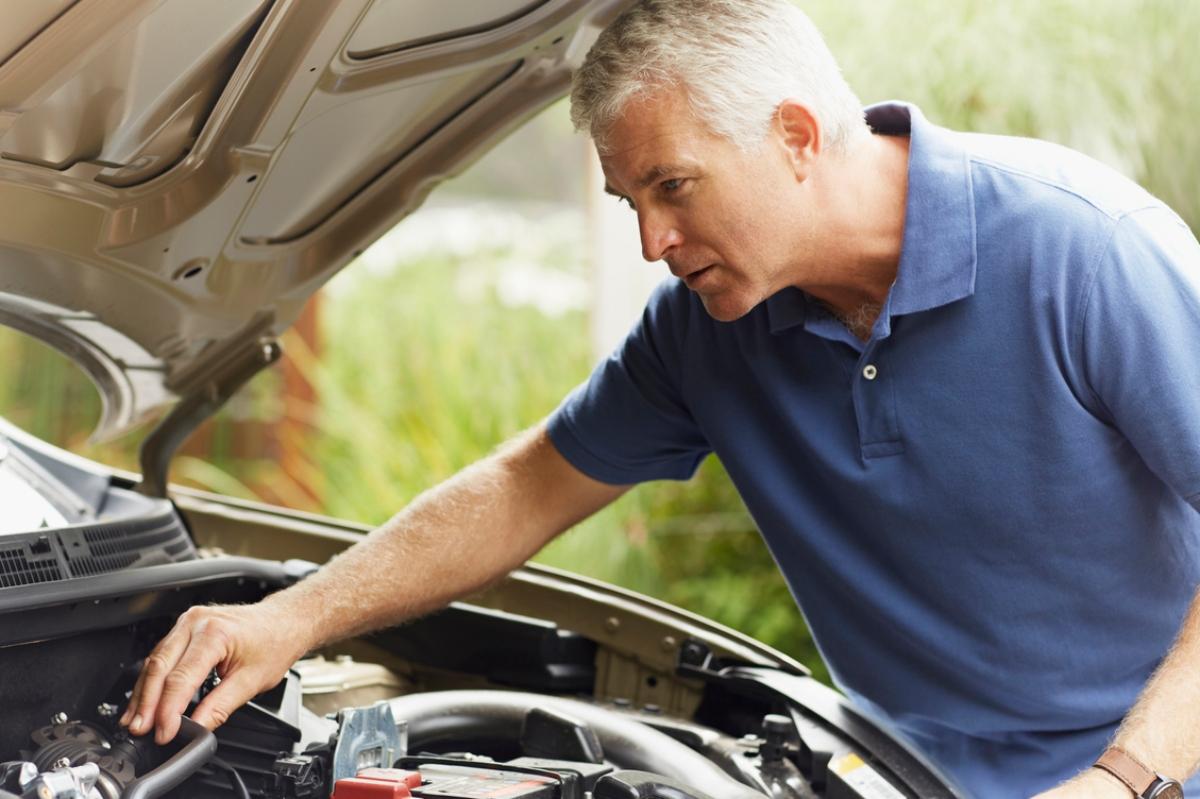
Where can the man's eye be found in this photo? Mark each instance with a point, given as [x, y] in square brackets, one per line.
[671, 185]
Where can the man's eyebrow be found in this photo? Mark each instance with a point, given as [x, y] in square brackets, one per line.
[651, 175]
[659, 171]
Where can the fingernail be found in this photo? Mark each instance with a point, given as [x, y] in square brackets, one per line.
[136, 724]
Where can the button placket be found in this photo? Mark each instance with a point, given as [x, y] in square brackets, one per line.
[875, 407]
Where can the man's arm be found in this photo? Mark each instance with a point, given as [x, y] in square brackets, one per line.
[1160, 729]
[1137, 344]
[449, 542]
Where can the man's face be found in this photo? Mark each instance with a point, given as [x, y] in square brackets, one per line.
[723, 220]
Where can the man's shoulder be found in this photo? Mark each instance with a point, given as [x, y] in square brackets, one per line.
[1051, 177]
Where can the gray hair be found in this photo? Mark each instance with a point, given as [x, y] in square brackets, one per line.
[736, 59]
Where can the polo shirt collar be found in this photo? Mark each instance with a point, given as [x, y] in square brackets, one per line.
[938, 257]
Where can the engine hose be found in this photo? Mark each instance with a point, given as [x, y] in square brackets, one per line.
[443, 717]
[199, 748]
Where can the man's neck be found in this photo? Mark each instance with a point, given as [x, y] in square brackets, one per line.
[862, 197]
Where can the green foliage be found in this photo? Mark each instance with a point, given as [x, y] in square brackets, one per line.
[1113, 78]
[41, 391]
[420, 379]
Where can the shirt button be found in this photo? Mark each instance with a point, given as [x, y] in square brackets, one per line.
[870, 372]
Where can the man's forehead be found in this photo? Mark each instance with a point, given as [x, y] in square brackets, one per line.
[659, 152]
[654, 135]
[648, 117]
[638, 131]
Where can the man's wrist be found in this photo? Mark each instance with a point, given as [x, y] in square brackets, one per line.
[1135, 775]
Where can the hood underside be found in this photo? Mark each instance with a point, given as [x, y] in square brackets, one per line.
[177, 177]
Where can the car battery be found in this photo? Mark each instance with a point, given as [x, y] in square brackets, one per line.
[525, 778]
[482, 782]
[448, 782]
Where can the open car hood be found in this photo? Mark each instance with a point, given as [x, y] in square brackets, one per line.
[178, 177]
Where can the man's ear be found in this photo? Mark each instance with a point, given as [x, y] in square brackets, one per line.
[800, 135]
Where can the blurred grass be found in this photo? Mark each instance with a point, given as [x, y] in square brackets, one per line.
[418, 378]
[1116, 79]
[415, 390]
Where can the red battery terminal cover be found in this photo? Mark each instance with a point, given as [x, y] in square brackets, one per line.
[378, 783]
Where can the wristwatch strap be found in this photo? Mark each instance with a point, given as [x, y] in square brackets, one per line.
[1127, 769]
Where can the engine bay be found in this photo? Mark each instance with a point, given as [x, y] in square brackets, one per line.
[547, 688]
[471, 743]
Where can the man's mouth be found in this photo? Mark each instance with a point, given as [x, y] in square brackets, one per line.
[692, 277]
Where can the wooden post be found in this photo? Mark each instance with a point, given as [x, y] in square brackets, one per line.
[621, 278]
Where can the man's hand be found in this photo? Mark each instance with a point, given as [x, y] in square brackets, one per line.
[250, 646]
[1091, 784]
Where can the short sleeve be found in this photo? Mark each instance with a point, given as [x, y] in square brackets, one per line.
[629, 422]
[1140, 343]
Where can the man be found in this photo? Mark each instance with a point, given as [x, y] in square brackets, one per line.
[951, 375]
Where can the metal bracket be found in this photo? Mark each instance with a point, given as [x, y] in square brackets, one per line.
[197, 405]
[368, 737]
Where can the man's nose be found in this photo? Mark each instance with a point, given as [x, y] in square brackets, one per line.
[659, 235]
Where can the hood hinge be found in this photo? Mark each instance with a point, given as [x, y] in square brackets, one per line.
[196, 406]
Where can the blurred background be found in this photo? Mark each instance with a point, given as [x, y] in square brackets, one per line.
[474, 317]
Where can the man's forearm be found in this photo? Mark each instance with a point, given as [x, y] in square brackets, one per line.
[1160, 730]
[451, 541]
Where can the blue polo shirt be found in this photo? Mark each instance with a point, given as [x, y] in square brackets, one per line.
[986, 512]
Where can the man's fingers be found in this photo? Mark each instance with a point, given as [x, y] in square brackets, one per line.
[227, 697]
[148, 688]
[208, 647]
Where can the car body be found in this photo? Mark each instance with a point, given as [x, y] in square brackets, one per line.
[176, 180]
